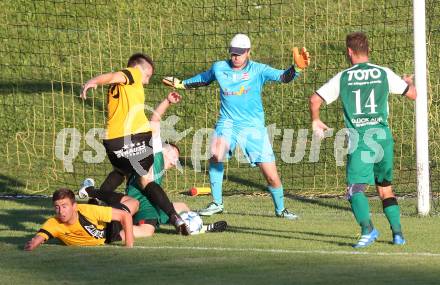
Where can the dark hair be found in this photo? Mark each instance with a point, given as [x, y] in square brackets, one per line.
[63, 193]
[357, 42]
[140, 58]
[174, 145]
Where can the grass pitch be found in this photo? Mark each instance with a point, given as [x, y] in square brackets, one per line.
[257, 248]
[50, 48]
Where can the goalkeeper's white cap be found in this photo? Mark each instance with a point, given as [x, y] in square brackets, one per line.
[240, 44]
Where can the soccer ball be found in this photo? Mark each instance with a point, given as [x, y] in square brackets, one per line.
[193, 220]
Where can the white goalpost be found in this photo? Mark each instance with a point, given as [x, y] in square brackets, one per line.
[422, 137]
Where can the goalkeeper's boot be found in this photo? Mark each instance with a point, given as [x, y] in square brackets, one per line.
[366, 240]
[217, 227]
[398, 239]
[180, 225]
[211, 209]
[82, 193]
[287, 215]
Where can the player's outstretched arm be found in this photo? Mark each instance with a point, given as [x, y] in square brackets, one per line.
[106, 78]
[172, 98]
[318, 126]
[301, 61]
[199, 80]
[173, 82]
[127, 224]
[411, 93]
[35, 242]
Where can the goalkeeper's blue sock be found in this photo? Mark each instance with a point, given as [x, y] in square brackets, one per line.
[216, 178]
[277, 197]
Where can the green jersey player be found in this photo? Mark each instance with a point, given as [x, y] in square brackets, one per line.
[363, 90]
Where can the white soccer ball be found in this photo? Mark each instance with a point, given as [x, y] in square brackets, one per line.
[193, 220]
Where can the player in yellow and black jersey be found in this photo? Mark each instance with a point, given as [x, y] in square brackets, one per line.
[83, 224]
[128, 140]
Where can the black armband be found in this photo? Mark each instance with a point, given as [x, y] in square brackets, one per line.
[406, 90]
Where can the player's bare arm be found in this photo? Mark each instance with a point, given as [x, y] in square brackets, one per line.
[172, 98]
[35, 242]
[103, 79]
[127, 224]
[412, 92]
[318, 126]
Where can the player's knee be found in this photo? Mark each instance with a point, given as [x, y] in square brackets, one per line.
[384, 189]
[216, 158]
[143, 181]
[274, 181]
[146, 228]
[355, 188]
[218, 151]
[147, 232]
[385, 193]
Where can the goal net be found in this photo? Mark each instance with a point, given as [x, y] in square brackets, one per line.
[51, 138]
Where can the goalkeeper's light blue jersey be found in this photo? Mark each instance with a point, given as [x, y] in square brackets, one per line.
[240, 90]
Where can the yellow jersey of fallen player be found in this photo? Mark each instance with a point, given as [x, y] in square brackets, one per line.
[88, 230]
[126, 114]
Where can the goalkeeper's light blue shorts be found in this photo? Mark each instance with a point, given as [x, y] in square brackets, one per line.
[252, 140]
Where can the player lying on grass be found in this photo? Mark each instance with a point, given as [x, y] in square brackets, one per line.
[166, 156]
[241, 120]
[84, 224]
[148, 217]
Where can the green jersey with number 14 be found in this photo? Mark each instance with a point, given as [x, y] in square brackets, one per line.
[364, 90]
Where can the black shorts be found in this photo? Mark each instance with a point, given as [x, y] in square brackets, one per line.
[112, 232]
[131, 154]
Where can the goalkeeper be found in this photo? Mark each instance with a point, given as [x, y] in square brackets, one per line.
[241, 120]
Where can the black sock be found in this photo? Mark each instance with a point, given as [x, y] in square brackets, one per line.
[110, 198]
[157, 196]
[113, 180]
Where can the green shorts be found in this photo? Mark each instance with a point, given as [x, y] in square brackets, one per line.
[146, 210]
[369, 165]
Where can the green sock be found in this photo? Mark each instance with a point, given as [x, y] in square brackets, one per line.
[361, 211]
[392, 212]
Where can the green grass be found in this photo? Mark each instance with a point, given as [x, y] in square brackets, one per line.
[257, 248]
[50, 48]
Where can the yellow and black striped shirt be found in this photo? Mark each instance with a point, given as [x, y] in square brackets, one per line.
[126, 114]
[88, 230]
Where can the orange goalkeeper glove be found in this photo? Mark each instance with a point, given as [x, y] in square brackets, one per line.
[302, 60]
